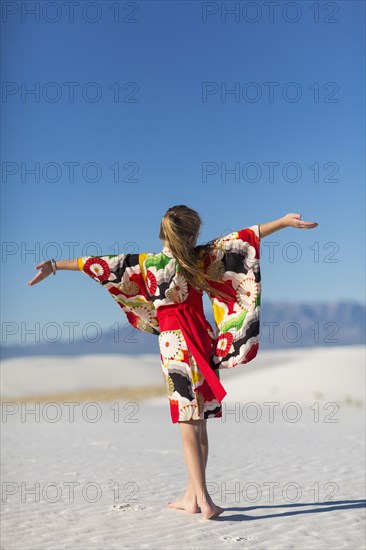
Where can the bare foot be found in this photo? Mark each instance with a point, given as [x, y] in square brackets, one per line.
[211, 510]
[185, 503]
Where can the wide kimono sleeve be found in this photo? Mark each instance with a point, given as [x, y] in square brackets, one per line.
[124, 277]
[233, 265]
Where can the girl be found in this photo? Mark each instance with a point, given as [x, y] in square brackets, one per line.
[161, 293]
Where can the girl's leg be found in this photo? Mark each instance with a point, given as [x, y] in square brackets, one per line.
[204, 441]
[203, 437]
[195, 461]
[189, 500]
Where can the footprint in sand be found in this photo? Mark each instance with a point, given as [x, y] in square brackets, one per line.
[234, 539]
[127, 508]
[244, 539]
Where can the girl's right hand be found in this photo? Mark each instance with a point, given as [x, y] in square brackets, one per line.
[293, 220]
[46, 269]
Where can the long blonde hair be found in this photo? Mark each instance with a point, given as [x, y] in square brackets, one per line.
[180, 225]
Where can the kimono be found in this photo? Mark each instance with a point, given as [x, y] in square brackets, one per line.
[156, 298]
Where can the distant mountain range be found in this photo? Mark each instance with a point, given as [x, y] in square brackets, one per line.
[283, 325]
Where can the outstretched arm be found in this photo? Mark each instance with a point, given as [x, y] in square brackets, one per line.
[290, 220]
[46, 269]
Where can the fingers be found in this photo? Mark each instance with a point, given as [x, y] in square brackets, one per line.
[308, 225]
[36, 279]
[303, 224]
[41, 274]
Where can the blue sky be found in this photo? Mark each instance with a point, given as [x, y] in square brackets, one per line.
[162, 140]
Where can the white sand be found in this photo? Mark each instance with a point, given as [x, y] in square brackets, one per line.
[316, 465]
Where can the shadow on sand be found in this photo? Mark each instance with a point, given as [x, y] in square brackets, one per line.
[326, 506]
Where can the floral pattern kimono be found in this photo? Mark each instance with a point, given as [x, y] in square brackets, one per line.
[156, 298]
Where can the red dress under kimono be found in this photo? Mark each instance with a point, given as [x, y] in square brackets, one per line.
[155, 296]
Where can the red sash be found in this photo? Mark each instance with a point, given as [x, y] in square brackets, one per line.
[191, 322]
